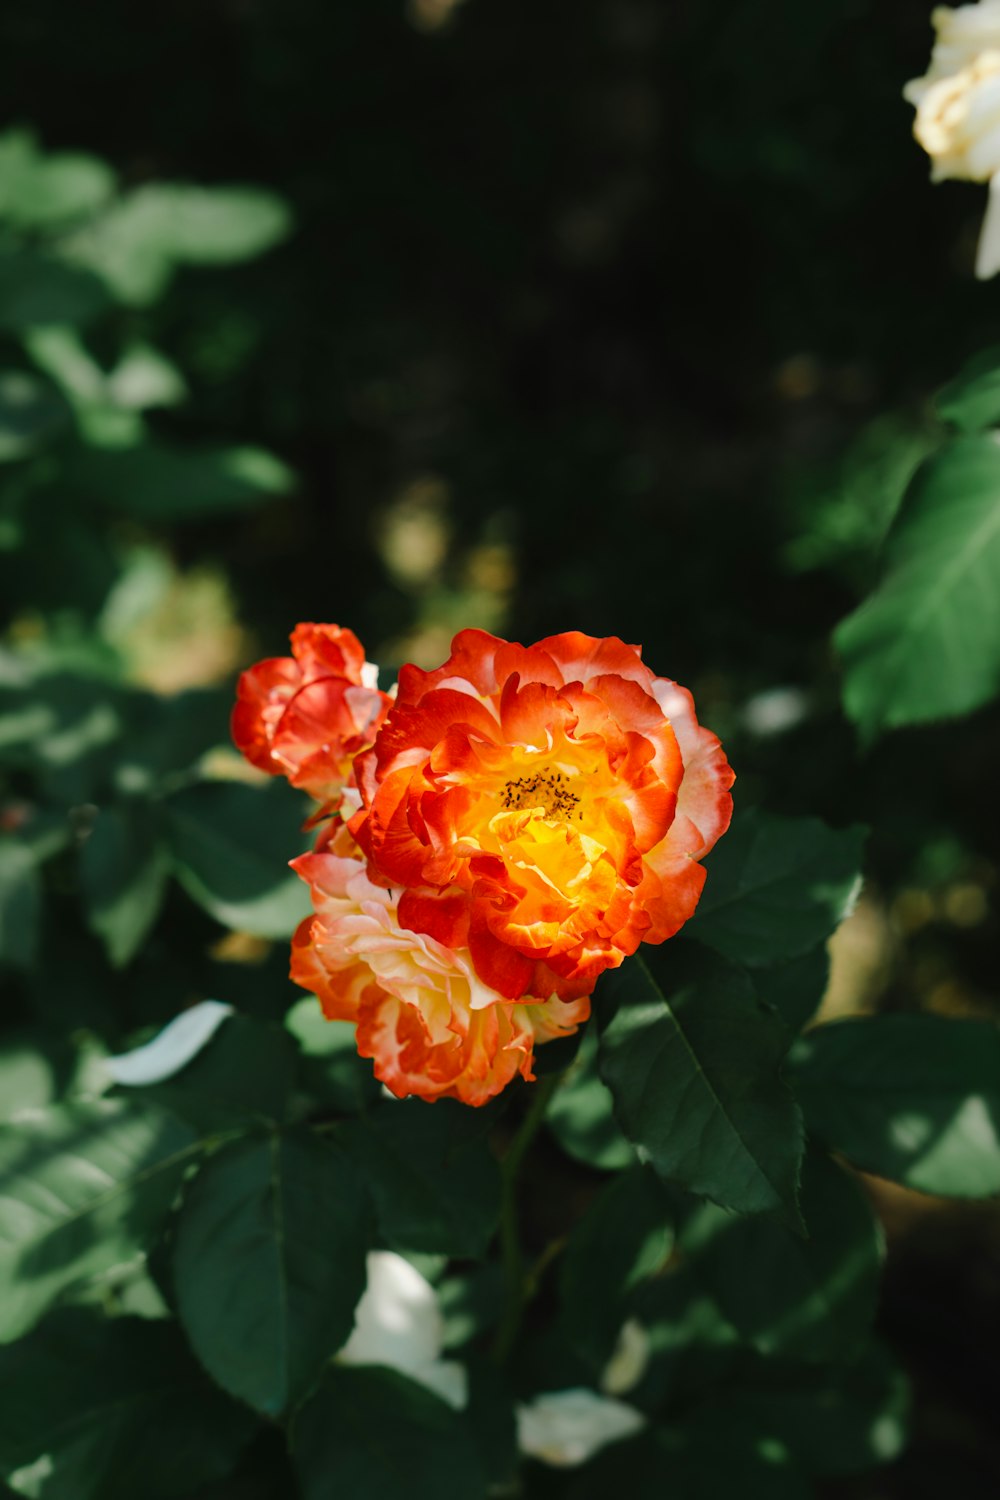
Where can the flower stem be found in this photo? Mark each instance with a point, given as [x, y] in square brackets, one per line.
[510, 1238]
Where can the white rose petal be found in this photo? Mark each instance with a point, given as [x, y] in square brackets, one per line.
[398, 1324]
[568, 1427]
[628, 1362]
[369, 675]
[172, 1049]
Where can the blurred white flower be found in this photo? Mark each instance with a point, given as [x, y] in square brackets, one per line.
[628, 1361]
[172, 1048]
[398, 1324]
[564, 1428]
[958, 110]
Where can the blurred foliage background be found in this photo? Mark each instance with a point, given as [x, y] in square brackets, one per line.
[618, 316]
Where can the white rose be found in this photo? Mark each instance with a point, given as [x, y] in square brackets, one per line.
[568, 1427]
[958, 110]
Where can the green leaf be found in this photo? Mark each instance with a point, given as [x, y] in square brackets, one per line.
[135, 245]
[856, 1417]
[777, 887]
[20, 904]
[99, 1409]
[31, 414]
[926, 644]
[625, 1237]
[435, 1183]
[972, 400]
[374, 1433]
[796, 987]
[243, 1076]
[581, 1114]
[39, 191]
[915, 1098]
[269, 1264]
[34, 289]
[810, 1298]
[157, 483]
[231, 845]
[84, 1187]
[124, 866]
[695, 1074]
[693, 1460]
[332, 1072]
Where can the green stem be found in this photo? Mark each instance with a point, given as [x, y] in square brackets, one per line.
[510, 1238]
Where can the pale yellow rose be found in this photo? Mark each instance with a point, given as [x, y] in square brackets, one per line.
[958, 110]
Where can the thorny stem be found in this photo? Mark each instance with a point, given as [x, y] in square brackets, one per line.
[515, 1281]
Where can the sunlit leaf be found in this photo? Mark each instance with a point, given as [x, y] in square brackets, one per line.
[926, 644]
[581, 1114]
[84, 1186]
[915, 1098]
[157, 483]
[693, 1061]
[99, 1409]
[972, 400]
[40, 191]
[269, 1264]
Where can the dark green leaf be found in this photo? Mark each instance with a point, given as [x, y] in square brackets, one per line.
[374, 1433]
[98, 1409]
[810, 1298]
[85, 1186]
[926, 644]
[693, 1460]
[157, 483]
[695, 1074]
[20, 904]
[269, 1264]
[332, 1072]
[31, 413]
[231, 846]
[915, 1098]
[625, 1237]
[244, 1075]
[581, 1114]
[777, 887]
[972, 400]
[34, 289]
[123, 872]
[795, 988]
[434, 1180]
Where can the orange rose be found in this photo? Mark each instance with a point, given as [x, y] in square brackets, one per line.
[547, 805]
[306, 716]
[422, 1013]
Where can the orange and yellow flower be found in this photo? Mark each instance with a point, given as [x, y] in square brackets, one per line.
[306, 716]
[552, 802]
[525, 818]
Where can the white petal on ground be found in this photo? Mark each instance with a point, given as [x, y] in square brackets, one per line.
[988, 254]
[398, 1324]
[568, 1427]
[179, 1041]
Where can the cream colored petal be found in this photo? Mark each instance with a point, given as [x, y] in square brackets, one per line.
[628, 1362]
[564, 1428]
[988, 254]
[172, 1049]
[397, 1322]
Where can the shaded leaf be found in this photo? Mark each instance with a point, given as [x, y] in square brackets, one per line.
[20, 904]
[581, 1114]
[374, 1433]
[231, 845]
[99, 1409]
[124, 866]
[808, 1297]
[926, 644]
[695, 1074]
[331, 1070]
[157, 483]
[915, 1098]
[35, 289]
[777, 887]
[31, 413]
[269, 1264]
[84, 1186]
[434, 1180]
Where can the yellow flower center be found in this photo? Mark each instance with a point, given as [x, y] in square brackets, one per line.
[550, 790]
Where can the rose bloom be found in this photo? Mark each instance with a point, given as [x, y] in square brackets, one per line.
[547, 806]
[306, 716]
[430, 1024]
[958, 110]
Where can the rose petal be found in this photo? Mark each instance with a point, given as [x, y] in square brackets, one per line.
[172, 1049]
